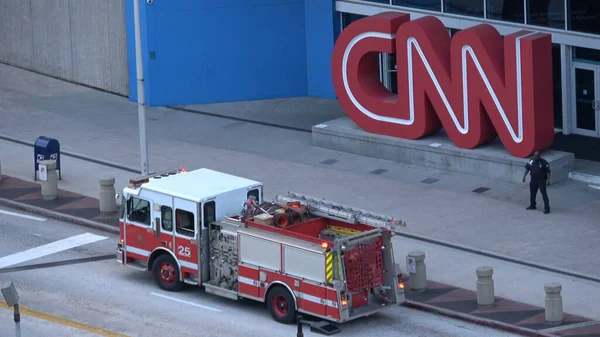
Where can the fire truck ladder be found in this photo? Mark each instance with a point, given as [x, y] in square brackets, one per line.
[328, 209]
[136, 182]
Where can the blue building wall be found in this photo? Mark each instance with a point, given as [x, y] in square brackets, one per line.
[131, 48]
[321, 19]
[212, 51]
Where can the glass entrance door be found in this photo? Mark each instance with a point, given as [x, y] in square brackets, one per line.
[586, 113]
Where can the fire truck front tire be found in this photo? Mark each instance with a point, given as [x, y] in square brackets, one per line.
[281, 305]
[166, 274]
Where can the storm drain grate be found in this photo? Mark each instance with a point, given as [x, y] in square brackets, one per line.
[329, 162]
[378, 171]
[325, 328]
[429, 181]
[481, 190]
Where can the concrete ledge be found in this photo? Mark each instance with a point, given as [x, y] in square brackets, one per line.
[476, 320]
[584, 177]
[60, 216]
[490, 161]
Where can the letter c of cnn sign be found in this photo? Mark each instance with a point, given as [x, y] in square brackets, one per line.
[477, 85]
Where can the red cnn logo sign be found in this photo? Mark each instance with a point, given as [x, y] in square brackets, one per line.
[477, 85]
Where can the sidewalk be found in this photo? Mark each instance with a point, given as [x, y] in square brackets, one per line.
[435, 204]
[483, 214]
[519, 290]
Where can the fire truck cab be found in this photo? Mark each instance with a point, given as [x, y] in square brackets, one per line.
[297, 254]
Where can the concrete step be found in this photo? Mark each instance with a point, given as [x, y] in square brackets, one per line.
[592, 180]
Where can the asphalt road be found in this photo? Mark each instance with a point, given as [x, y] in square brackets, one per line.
[112, 300]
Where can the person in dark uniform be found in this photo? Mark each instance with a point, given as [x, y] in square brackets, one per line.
[540, 178]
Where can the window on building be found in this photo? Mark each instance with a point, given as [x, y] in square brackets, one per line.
[138, 210]
[548, 13]
[184, 222]
[387, 2]
[506, 10]
[348, 18]
[464, 7]
[586, 55]
[391, 71]
[166, 218]
[432, 5]
[583, 16]
[209, 211]
[453, 31]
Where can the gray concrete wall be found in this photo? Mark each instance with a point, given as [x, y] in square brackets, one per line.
[491, 161]
[81, 41]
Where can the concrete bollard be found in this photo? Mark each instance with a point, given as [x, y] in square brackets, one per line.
[418, 279]
[50, 186]
[485, 286]
[107, 195]
[554, 305]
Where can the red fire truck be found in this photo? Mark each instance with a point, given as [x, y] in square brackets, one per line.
[298, 254]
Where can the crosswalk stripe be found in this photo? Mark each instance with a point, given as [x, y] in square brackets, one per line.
[50, 248]
[25, 216]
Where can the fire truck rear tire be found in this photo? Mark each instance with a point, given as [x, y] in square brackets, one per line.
[166, 274]
[281, 305]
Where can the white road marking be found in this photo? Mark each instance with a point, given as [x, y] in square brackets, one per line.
[186, 302]
[22, 215]
[595, 186]
[50, 248]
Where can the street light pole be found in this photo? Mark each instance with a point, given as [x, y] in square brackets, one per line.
[140, 88]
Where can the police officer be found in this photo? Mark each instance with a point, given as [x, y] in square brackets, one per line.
[540, 177]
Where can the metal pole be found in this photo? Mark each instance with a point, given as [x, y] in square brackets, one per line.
[17, 316]
[140, 88]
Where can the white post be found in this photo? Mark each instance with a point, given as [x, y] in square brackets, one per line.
[140, 88]
[554, 304]
[107, 195]
[49, 182]
[485, 286]
[418, 274]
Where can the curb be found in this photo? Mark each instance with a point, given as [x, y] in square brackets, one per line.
[498, 256]
[476, 320]
[74, 155]
[584, 177]
[60, 216]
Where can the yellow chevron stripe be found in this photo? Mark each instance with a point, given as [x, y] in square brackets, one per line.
[329, 266]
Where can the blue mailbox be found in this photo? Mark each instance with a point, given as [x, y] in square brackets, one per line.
[46, 148]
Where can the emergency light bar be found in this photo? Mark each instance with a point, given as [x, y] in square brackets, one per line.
[144, 179]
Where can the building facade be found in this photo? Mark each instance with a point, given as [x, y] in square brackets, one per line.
[211, 51]
[198, 52]
[78, 41]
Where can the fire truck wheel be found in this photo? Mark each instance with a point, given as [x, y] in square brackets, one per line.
[166, 274]
[281, 305]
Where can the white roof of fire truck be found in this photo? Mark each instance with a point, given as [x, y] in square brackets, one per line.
[196, 185]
